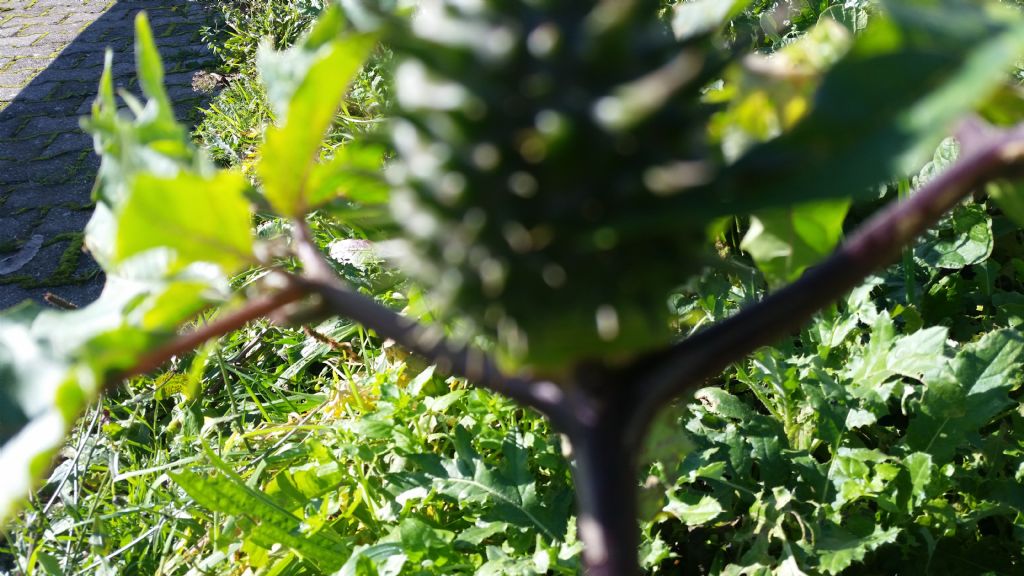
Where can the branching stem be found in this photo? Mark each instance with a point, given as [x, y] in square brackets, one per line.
[430, 342]
[253, 309]
[606, 411]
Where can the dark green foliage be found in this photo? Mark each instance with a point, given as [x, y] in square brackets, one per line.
[525, 182]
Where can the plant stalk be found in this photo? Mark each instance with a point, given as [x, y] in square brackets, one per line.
[605, 476]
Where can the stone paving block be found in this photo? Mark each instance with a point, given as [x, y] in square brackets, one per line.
[60, 219]
[18, 41]
[27, 110]
[16, 79]
[9, 127]
[45, 262]
[16, 228]
[39, 171]
[41, 51]
[25, 149]
[49, 125]
[27, 197]
[68, 142]
[9, 93]
[75, 89]
[72, 62]
[34, 63]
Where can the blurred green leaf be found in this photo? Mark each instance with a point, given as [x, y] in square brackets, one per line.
[907, 78]
[313, 77]
[149, 67]
[1010, 198]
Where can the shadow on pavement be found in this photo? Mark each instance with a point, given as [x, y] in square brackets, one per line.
[47, 165]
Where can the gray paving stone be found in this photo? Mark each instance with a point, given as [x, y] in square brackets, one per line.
[39, 171]
[18, 41]
[23, 63]
[50, 125]
[26, 149]
[16, 79]
[68, 142]
[60, 219]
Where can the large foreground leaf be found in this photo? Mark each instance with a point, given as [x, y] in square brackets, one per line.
[306, 85]
[883, 107]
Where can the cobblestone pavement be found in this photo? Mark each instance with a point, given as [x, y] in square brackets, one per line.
[51, 57]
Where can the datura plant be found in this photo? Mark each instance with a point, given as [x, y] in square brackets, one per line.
[555, 170]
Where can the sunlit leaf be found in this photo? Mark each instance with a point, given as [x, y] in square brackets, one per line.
[785, 241]
[312, 77]
[198, 219]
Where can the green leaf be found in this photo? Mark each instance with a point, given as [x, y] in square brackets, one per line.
[960, 240]
[703, 511]
[970, 391]
[353, 173]
[268, 525]
[922, 469]
[884, 106]
[838, 549]
[919, 354]
[784, 242]
[53, 364]
[315, 76]
[149, 66]
[377, 560]
[510, 493]
[32, 407]
[1010, 198]
[198, 219]
[150, 141]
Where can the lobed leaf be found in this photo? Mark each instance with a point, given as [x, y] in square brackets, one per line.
[971, 391]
